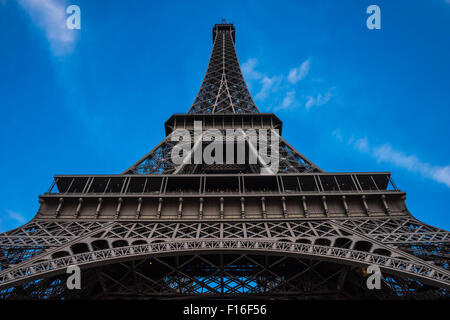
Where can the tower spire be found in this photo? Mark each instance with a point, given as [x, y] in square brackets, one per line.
[223, 89]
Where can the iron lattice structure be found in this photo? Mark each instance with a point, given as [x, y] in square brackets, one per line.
[166, 230]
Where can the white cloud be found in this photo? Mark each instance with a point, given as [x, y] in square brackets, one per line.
[441, 174]
[319, 100]
[362, 145]
[280, 91]
[289, 99]
[50, 16]
[288, 102]
[299, 73]
[311, 102]
[16, 217]
[248, 69]
[267, 85]
[386, 153]
[11, 219]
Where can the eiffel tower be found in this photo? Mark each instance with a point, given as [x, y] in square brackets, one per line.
[186, 230]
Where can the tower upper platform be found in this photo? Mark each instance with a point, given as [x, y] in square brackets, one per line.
[224, 27]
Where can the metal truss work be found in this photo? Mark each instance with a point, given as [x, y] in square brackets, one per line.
[47, 234]
[190, 230]
[37, 237]
[159, 159]
[398, 230]
[318, 239]
[51, 234]
[223, 92]
[415, 270]
[223, 89]
[221, 276]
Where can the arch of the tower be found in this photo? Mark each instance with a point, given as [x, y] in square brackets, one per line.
[209, 275]
[100, 254]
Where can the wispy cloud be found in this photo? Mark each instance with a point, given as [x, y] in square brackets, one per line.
[15, 216]
[318, 100]
[280, 91]
[11, 219]
[288, 102]
[299, 73]
[362, 144]
[249, 71]
[385, 153]
[50, 16]
[268, 84]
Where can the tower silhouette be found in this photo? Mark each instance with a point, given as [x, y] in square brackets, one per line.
[263, 221]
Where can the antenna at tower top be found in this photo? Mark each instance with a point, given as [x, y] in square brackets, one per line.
[224, 21]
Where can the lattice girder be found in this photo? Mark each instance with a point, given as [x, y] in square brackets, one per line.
[159, 159]
[223, 89]
[323, 239]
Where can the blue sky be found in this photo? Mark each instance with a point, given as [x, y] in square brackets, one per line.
[93, 101]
